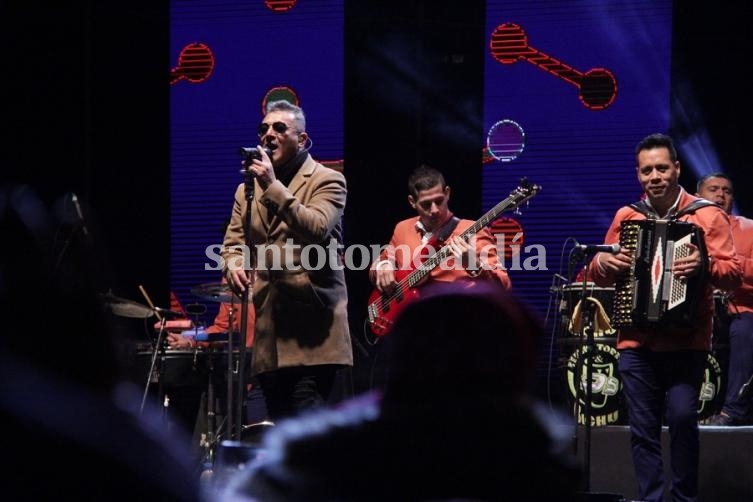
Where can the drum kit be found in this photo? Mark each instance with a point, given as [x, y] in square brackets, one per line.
[607, 404]
[209, 291]
[173, 371]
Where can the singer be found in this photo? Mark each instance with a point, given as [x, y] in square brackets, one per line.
[301, 335]
[663, 366]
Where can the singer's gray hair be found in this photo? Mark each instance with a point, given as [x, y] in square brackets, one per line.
[287, 106]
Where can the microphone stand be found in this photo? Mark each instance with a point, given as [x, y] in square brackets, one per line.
[235, 433]
[588, 348]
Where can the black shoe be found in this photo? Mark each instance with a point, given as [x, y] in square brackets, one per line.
[723, 420]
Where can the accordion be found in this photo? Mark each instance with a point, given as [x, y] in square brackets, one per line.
[648, 294]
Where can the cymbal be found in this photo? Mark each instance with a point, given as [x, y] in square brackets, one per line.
[216, 292]
[126, 308]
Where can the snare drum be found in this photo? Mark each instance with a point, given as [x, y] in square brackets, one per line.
[711, 397]
[607, 403]
[173, 368]
[607, 406]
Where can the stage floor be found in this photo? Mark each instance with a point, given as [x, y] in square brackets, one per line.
[726, 470]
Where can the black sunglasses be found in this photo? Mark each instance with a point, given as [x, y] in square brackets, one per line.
[279, 127]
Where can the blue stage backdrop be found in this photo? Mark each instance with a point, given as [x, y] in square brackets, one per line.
[570, 89]
[228, 59]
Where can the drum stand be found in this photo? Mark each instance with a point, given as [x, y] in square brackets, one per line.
[235, 380]
[209, 438]
[159, 349]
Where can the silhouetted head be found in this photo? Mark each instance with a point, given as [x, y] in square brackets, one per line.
[462, 342]
[51, 314]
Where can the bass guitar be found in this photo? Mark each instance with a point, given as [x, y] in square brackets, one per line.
[383, 308]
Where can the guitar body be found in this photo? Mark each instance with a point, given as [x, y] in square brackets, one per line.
[383, 308]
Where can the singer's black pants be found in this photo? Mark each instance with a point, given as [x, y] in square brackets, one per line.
[290, 391]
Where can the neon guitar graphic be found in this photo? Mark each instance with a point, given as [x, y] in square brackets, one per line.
[383, 308]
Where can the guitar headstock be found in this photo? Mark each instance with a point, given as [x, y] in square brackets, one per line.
[525, 191]
[527, 188]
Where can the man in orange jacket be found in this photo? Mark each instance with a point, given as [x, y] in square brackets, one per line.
[662, 367]
[738, 401]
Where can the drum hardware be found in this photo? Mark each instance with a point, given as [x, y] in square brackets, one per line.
[559, 282]
[222, 293]
[196, 309]
[210, 442]
[128, 308]
[174, 362]
[215, 292]
[160, 346]
[125, 308]
[167, 313]
[194, 376]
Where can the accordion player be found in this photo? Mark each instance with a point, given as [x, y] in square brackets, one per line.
[648, 294]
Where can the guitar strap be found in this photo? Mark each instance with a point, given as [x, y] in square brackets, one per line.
[440, 236]
[645, 210]
[444, 232]
[650, 214]
[693, 206]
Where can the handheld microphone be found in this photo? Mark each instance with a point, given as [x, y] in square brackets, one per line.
[250, 153]
[598, 248]
[80, 214]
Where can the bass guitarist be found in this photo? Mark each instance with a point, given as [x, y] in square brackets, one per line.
[435, 226]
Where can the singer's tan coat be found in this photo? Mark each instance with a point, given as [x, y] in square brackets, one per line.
[299, 292]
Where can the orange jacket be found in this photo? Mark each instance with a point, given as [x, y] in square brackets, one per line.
[221, 324]
[407, 237]
[222, 321]
[742, 232]
[724, 271]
